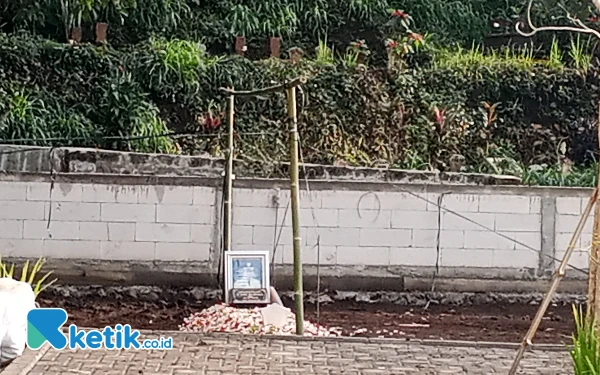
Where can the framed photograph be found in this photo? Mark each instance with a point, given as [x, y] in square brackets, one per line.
[247, 277]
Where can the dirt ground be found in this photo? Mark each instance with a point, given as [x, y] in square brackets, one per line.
[500, 323]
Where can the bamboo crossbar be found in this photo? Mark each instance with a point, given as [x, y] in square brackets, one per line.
[277, 88]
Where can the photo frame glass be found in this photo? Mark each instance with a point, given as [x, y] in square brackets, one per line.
[247, 277]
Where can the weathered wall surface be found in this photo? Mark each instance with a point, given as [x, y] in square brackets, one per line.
[369, 234]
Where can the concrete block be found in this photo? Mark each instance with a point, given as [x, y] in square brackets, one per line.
[535, 205]
[255, 197]
[327, 255]
[121, 212]
[65, 249]
[385, 237]
[340, 199]
[504, 204]
[59, 230]
[255, 216]
[314, 199]
[126, 250]
[365, 218]
[432, 202]
[333, 236]
[184, 214]
[242, 234]
[317, 217]
[74, 211]
[580, 260]
[21, 248]
[164, 194]
[425, 238]
[367, 256]
[268, 235]
[16, 210]
[461, 202]
[121, 232]
[162, 232]
[62, 192]
[204, 196]
[413, 256]
[414, 219]
[401, 201]
[488, 240]
[100, 193]
[11, 229]
[309, 218]
[533, 240]
[568, 223]
[93, 231]
[202, 233]
[479, 258]
[519, 222]
[569, 205]
[165, 251]
[468, 221]
[562, 241]
[13, 191]
[515, 259]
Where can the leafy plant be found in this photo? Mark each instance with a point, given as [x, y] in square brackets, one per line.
[586, 347]
[324, 54]
[29, 275]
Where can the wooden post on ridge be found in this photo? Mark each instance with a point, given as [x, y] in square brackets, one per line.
[295, 196]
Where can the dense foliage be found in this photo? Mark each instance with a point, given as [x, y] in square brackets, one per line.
[450, 108]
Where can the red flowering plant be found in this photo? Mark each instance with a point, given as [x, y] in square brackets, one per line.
[403, 41]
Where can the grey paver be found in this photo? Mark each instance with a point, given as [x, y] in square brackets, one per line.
[230, 354]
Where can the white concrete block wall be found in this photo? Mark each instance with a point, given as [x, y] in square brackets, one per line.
[568, 214]
[96, 221]
[394, 228]
[178, 223]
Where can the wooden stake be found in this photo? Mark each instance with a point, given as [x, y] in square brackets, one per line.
[294, 180]
[593, 300]
[558, 275]
[228, 191]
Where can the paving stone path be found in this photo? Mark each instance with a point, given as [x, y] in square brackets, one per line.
[252, 355]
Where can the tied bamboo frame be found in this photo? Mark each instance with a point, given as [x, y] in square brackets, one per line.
[290, 88]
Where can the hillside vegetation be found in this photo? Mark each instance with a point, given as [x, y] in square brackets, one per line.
[427, 96]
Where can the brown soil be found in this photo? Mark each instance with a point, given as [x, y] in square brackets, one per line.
[500, 323]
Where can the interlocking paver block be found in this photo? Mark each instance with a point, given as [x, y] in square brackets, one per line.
[230, 354]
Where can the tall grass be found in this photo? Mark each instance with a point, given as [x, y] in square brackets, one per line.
[586, 348]
[580, 59]
[522, 57]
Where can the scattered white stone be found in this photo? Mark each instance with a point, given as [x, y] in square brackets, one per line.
[225, 318]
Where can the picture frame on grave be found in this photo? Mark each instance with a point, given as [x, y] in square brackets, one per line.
[247, 277]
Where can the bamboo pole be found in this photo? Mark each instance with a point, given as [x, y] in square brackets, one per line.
[294, 181]
[229, 190]
[593, 301]
[558, 275]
